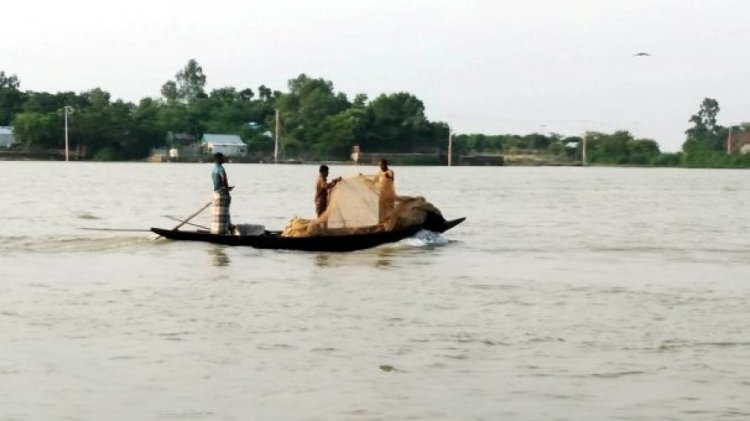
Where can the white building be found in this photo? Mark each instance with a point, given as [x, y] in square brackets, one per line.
[228, 144]
[6, 136]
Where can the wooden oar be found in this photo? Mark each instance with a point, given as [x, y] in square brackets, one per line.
[115, 229]
[174, 218]
[186, 220]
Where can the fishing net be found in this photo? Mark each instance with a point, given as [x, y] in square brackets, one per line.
[361, 204]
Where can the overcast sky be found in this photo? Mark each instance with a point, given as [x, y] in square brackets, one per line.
[482, 66]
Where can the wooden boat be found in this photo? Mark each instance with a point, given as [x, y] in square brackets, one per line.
[274, 240]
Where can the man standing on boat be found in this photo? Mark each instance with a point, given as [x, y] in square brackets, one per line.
[386, 179]
[322, 189]
[384, 182]
[221, 223]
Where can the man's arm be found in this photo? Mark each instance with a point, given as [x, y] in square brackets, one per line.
[333, 182]
[370, 178]
[225, 181]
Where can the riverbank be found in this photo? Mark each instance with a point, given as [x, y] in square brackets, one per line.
[30, 156]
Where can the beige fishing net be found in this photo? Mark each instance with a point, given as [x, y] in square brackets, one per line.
[362, 204]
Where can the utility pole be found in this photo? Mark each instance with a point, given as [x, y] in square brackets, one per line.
[450, 148]
[276, 143]
[67, 110]
[583, 150]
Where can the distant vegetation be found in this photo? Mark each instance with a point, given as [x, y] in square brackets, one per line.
[619, 148]
[317, 123]
[704, 146]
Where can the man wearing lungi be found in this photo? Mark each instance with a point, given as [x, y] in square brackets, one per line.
[384, 183]
[221, 223]
[387, 200]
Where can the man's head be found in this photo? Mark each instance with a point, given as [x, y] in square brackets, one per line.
[219, 158]
[323, 170]
[383, 165]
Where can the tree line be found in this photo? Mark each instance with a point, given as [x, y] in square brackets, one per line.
[316, 123]
[704, 146]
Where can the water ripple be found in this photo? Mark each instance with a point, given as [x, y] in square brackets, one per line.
[71, 244]
[616, 374]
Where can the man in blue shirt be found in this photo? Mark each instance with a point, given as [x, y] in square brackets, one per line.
[221, 223]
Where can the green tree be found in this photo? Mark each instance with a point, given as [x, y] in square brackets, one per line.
[226, 95]
[91, 127]
[340, 132]
[705, 120]
[642, 151]
[703, 136]
[38, 130]
[304, 111]
[620, 148]
[246, 95]
[169, 92]
[397, 123]
[10, 97]
[146, 126]
[39, 122]
[9, 81]
[45, 102]
[265, 93]
[191, 82]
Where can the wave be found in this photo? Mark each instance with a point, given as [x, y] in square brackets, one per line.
[681, 344]
[425, 238]
[652, 249]
[617, 374]
[86, 216]
[719, 344]
[71, 244]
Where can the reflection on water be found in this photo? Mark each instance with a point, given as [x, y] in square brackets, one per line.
[382, 262]
[379, 257]
[218, 256]
[384, 259]
[322, 260]
[382, 256]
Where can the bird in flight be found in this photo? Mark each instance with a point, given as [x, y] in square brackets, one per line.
[642, 55]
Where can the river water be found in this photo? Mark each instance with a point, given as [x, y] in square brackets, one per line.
[568, 293]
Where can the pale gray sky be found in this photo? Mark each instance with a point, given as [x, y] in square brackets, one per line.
[502, 66]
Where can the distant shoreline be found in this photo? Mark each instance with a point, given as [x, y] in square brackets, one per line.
[510, 161]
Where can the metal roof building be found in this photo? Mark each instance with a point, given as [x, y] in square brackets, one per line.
[228, 144]
[6, 136]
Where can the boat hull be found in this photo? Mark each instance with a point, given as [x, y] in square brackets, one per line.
[272, 240]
